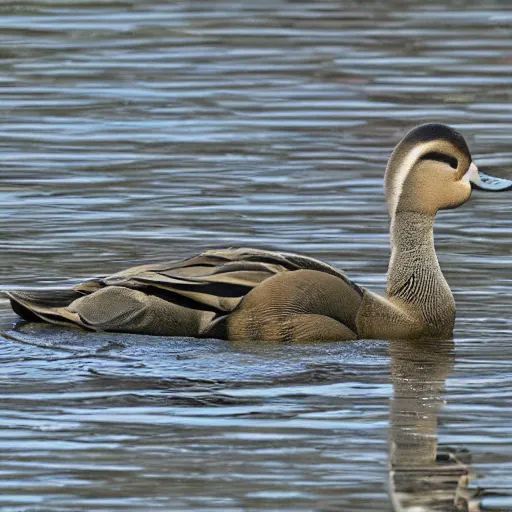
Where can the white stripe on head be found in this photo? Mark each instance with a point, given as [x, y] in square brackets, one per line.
[401, 174]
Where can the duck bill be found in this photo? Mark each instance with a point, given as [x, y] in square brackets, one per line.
[481, 181]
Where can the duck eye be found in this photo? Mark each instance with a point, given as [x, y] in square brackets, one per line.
[441, 157]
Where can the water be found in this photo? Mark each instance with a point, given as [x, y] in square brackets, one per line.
[140, 131]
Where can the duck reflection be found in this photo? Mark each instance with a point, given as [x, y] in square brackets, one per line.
[423, 475]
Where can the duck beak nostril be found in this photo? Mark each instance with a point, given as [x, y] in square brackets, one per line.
[481, 181]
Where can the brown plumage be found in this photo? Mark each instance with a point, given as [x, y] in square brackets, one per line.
[250, 294]
[235, 294]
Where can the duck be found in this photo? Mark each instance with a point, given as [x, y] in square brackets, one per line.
[247, 294]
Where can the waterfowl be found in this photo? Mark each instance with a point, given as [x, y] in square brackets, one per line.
[256, 295]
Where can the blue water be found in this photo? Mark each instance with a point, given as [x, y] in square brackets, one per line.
[134, 132]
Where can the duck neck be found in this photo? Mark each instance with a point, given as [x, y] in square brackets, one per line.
[414, 276]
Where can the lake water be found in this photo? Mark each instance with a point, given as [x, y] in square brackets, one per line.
[142, 131]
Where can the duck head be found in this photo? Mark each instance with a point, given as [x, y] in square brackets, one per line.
[431, 169]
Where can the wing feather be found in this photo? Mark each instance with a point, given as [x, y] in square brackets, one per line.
[219, 278]
[213, 282]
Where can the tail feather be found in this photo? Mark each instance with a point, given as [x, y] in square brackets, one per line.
[39, 305]
[56, 298]
[24, 312]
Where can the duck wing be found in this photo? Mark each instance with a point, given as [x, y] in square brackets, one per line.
[219, 279]
[197, 290]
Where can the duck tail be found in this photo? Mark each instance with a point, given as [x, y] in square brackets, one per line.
[50, 305]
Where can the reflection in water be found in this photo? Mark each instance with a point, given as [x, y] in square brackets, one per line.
[423, 475]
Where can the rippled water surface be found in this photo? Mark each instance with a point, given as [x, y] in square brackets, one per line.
[136, 131]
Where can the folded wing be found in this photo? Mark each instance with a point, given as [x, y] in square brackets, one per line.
[170, 298]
